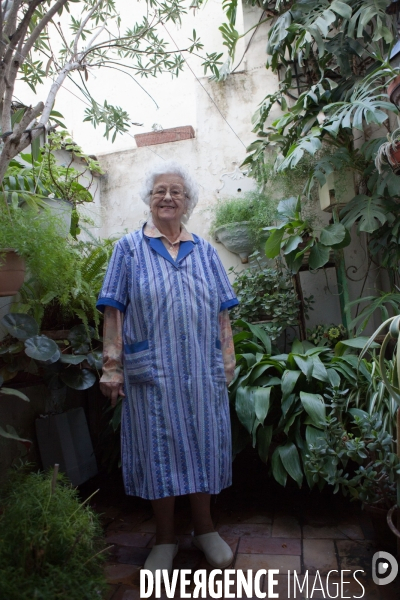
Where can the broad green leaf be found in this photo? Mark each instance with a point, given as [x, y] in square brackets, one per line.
[292, 243]
[297, 347]
[289, 380]
[313, 435]
[291, 461]
[14, 436]
[72, 359]
[95, 359]
[262, 335]
[42, 348]
[78, 379]
[319, 370]
[258, 370]
[369, 212]
[261, 402]
[332, 234]
[359, 342]
[244, 405]
[342, 9]
[242, 335]
[278, 470]
[289, 209]
[12, 392]
[319, 256]
[288, 403]
[20, 326]
[264, 437]
[315, 408]
[305, 364]
[334, 377]
[273, 243]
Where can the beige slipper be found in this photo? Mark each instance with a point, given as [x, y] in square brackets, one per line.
[161, 557]
[216, 551]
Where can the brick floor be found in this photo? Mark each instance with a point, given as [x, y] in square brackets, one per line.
[300, 541]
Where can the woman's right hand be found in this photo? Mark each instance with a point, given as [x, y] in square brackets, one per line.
[112, 390]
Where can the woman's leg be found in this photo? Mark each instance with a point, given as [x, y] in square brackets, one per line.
[201, 514]
[164, 515]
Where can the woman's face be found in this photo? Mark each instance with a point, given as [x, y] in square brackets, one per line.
[168, 201]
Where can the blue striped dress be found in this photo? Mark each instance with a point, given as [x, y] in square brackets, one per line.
[175, 431]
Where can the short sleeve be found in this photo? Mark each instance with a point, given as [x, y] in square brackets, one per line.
[115, 285]
[225, 290]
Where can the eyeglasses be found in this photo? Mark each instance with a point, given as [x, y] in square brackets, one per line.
[175, 192]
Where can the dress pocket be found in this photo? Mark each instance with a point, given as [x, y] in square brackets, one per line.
[138, 363]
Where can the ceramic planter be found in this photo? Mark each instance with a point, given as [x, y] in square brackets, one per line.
[64, 439]
[12, 272]
[393, 91]
[236, 238]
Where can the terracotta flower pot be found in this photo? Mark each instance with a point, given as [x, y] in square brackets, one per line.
[393, 91]
[394, 158]
[12, 272]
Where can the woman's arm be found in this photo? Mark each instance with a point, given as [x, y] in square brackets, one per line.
[227, 346]
[112, 379]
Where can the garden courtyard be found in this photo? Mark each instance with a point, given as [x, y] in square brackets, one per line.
[200, 257]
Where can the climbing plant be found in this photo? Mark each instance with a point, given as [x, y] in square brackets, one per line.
[332, 59]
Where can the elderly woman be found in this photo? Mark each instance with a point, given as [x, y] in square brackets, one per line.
[168, 351]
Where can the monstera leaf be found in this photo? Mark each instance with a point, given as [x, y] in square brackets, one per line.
[370, 211]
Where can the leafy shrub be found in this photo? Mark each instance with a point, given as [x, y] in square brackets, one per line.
[283, 403]
[50, 543]
[266, 295]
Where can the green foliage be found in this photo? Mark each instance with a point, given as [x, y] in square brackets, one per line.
[49, 258]
[357, 459]
[382, 304]
[326, 335]
[295, 238]
[286, 404]
[266, 295]
[32, 180]
[332, 61]
[256, 208]
[50, 543]
[62, 363]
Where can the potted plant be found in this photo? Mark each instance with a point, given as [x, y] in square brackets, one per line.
[389, 152]
[238, 222]
[74, 362]
[12, 272]
[34, 238]
[43, 182]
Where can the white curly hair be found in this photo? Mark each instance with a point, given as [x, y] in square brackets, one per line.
[171, 167]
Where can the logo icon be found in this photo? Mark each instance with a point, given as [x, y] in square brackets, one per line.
[384, 568]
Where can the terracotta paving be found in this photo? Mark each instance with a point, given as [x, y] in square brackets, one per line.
[292, 531]
[259, 541]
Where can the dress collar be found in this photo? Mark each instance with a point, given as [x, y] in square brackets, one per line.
[151, 231]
